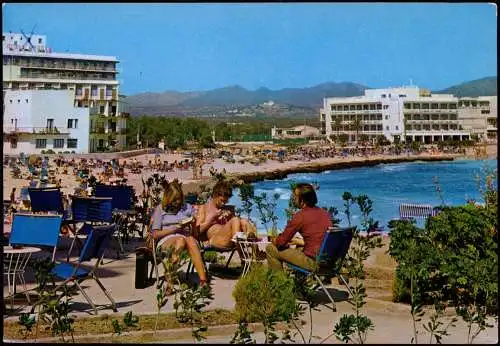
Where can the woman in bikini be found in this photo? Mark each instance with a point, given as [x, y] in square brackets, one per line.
[217, 223]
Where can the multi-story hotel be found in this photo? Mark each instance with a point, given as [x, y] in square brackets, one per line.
[408, 114]
[59, 101]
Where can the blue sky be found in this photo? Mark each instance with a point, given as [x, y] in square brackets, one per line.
[188, 47]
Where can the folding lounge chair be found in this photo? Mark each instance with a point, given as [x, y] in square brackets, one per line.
[122, 203]
[94, 247]
[89, 210]
[330, 258]
[30, 230]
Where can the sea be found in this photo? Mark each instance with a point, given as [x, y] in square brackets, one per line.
[450, 183]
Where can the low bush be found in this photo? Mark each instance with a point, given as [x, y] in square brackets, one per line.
[456, 254]
[264, 295]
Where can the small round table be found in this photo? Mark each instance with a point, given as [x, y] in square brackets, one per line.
[251, 252]
[15, 261]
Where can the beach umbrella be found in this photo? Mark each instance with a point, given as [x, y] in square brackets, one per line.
[34, 159]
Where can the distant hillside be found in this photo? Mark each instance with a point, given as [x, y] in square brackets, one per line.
[308, 100]
[232, 96]
[479, 87]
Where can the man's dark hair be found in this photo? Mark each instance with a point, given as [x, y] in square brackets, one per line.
[222, 188]
[306, 194]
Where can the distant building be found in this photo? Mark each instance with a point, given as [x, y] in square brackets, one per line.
[408, 114]
[76, 93]
[302, 131]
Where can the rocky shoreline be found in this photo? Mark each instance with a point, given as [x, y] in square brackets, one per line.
[316, 167]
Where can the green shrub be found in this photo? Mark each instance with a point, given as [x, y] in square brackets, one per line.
[456, 255]
[264, 295]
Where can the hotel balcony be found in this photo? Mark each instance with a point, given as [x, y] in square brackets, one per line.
[35, 130]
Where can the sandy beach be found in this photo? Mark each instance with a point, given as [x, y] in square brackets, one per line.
[245, 171]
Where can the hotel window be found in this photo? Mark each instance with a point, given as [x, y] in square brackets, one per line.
[425, 106]
[365, 107]
[372, 107]
[359, 107]
[386, 117]
[72, 143]
[425, 116]
[40, 143]
[58, 143]
[94, 91]
[352, 107]
[485, 111]
[409, 127]
[13, 143]
[379, 106]
[387, 128]
[346, 108]
[443, 106]
[379, 116]
[416, 106]
[407, 105]
[397, 128]
[383, 96]
[333, 108]
[379, 127]
[79, 91]
[434, 106]
[386, 106]
[453, 117]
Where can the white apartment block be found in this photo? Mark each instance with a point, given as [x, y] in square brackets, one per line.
[406, 114]
[36, 120]
[87, 82]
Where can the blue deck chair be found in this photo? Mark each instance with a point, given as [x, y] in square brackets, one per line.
[30, 230]
[123, 206]
[95, 245]
[89, 210]
[330, 258]
[46, 200]
[36, 229]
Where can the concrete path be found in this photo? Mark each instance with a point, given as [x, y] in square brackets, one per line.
[392, 321]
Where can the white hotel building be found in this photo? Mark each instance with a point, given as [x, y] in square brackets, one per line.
[409, 114]
[59, 101]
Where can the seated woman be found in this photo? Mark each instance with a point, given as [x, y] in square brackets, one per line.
[217, 224]
[169, 228]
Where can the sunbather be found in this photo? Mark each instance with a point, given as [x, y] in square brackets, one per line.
[219, 224]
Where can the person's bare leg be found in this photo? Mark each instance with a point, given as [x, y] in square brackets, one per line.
[178, 243]
[195, 254]
[223, 237]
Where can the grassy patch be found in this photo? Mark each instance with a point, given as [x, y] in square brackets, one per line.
[102, 324]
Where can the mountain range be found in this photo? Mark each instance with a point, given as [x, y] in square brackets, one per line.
[184, 103]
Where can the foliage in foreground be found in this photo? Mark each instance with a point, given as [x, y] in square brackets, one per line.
[453, 261]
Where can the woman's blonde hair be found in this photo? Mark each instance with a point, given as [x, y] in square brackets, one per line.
[173, 197]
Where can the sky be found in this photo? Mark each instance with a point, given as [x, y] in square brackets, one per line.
[194, 47]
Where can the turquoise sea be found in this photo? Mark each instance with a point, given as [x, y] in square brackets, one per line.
[387, 185]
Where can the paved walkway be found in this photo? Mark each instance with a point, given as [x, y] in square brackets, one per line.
[392, 321]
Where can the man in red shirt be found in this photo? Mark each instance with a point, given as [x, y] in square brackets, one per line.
[311, 222]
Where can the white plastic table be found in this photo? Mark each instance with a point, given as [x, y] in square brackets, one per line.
[15, 261]
[250, 252]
